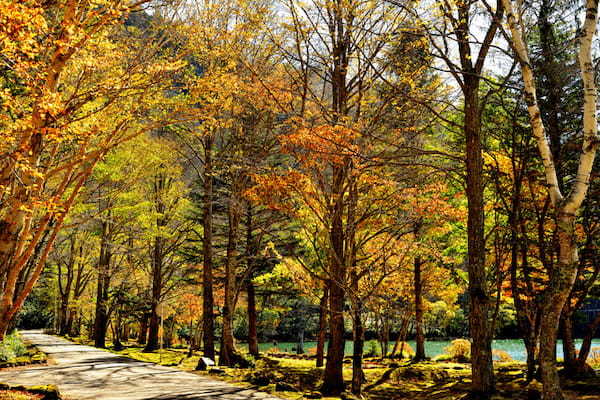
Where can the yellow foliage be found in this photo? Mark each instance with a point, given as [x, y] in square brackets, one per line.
[459, 350]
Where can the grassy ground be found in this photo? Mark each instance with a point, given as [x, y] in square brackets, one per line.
[384, 380]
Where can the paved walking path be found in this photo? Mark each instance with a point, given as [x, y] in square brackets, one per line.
[84, 372]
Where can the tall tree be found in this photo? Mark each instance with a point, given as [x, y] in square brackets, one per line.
[70, 96]
[565, 207]
[456, 27]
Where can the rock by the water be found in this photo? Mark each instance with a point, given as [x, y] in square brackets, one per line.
[204, 363]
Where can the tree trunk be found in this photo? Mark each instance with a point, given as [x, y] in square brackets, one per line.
[65, 288]
[568, 341]
[227, 350]
[252, 317]
[142, 337]
[126, 332]
[300, 346]
[358, 349]
[559, 287]
[479, 321]
[420, 336]
[322, 335]
[385, 337]
[401, 337]
[63, 316]
[526, 306]
[117, 345]
[333, 379]
[153, 329]
[101, 321]
[531, 346]
[157, 267]
[70, 318]
[208, 329]
[581, 367]
[562, 277]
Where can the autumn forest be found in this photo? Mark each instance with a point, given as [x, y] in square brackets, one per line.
[355, 199]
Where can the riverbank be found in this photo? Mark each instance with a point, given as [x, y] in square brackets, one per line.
[295, 378]
[433, 348]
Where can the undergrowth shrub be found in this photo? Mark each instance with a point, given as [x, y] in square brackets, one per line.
[12, 347]
[371, 349]
[501, 355]
[459, 350]
[594, 357]
[405, 349]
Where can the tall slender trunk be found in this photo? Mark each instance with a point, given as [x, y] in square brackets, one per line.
[153, 328]
[358, 337]
[479, 321]
[526, 306]
[251, 253]
[116, 339]
[70, 319]
[101, 320]
[63, 317]
[563, 275]
[401, 338]
[385, 336]
[227, 350]
[208, 329]
[559, 287]
[300, 346]
[157, 255]
[568, 341]
[143, 335]
[81, 283]
[333, 382]
[420, 336]
[333, 379]
[65, 288]
[252, 316]
[126, 332]
[322, 335]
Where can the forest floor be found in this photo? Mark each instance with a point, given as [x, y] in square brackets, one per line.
[296, 379]
[10, 394]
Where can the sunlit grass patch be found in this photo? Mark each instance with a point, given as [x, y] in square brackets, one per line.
[168, 357]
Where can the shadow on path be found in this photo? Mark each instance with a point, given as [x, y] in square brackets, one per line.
[86, 373]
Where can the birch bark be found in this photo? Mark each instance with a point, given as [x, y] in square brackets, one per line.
[563, 277]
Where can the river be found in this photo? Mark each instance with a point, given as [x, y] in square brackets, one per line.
[514, 347]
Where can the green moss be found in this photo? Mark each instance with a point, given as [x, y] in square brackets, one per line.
[168, 357]
[385, 379]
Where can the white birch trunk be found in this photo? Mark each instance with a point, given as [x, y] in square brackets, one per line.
[562, 279]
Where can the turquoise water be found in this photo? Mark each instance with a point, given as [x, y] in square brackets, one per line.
[514, 347]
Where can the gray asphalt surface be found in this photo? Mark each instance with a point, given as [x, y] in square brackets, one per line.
[84, 372]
